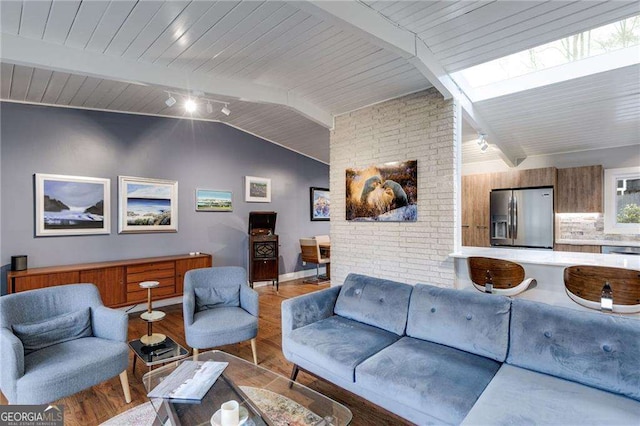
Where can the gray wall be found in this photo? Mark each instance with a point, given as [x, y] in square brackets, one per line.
[37, 139]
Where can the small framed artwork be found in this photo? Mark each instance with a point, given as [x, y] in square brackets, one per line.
[210, 200]
[257, 190]
[320, 204]
[147, 205]
[72, 205]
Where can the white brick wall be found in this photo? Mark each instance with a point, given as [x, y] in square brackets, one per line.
[420, 126]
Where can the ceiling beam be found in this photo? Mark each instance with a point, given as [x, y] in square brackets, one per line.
[40, 54]
[363, 21]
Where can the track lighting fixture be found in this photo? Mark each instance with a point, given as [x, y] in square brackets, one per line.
[197, 97]
[482, 142]
[171, 101]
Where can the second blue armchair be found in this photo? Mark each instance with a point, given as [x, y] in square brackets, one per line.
[219, 308]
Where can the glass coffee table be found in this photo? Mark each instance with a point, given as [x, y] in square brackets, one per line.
[265, 397]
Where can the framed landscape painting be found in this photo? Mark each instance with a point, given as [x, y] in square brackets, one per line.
[71, 205]
[257, 190]
[147, 205]
[320, 203]
[210, 200]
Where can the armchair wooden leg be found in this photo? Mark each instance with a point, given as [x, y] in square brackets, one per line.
[124, 381]
[294, 375]
[253, 349]
[195, 354]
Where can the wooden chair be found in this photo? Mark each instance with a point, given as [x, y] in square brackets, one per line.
[584, 285]
[506, 278]
[310, 248]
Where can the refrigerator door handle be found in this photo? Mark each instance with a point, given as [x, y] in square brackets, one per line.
[515, 217]
[509, 217]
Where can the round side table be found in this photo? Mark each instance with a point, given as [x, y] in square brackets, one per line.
[151, 316]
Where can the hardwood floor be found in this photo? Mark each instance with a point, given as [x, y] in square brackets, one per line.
[99, 403]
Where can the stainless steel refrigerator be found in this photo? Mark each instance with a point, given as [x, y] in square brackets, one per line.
[522, 218]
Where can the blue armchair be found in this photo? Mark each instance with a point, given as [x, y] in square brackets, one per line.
[59, 340]
[219, 308]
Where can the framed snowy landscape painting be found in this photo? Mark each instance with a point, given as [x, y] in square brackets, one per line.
[147, 205]
[71, 205]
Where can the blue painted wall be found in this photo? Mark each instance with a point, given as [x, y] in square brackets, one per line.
[37, 139]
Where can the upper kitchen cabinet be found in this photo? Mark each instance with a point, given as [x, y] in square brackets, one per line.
[524, 178]
[580, 190]
[475, 210]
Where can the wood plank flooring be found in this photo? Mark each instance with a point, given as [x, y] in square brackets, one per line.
[99, 403]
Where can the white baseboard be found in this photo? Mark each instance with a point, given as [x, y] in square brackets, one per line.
[142, 306]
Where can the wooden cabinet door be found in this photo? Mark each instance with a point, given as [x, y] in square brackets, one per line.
[580, 190]
[537, 177]
[184, 265]
[48, 280]
[576, 248]
[110, 283]
[475, 210]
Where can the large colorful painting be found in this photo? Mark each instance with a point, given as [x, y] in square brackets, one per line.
[71, 205]
[388, 192]
[147, 205]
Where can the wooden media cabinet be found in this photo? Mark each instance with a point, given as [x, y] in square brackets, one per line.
[118, 281]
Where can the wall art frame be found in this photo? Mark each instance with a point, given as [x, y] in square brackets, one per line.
[386, 192]
[147, 205]
[213, 200]
[319, 204]
[71, 205]
[257, 189]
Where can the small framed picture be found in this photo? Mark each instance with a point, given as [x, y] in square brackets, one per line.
[320, 204]
[72, 205]
[147, 205]
[257, 190]
[211, 200]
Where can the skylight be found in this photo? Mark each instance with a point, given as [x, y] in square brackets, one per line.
[600, 49]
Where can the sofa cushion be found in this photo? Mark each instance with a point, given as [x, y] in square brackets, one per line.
[61, 328]
[471, 321]
[374, 301]
[69, 367]
[338, 344]
[592, 348]
[517, 396]
[442, 381]
[221, 326]
[213, 297]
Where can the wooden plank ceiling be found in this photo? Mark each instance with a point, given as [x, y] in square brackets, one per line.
[305, 67]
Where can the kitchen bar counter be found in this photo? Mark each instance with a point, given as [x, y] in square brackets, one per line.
[551, 258]
[545, 266]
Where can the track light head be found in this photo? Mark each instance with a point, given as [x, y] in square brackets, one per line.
[225, 110]
[481, 139]
[209, 108]
[171, 101]
[190, 105]
[484, 146]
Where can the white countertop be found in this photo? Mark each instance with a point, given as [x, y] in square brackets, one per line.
[549, 257]
[600, 243]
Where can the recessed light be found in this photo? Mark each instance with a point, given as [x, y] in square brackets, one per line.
[190, 105]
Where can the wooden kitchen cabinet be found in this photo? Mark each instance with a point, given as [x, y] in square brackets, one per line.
[530, 178]
[118, 281]
[475, 210]
[580, 190]
[576, 248]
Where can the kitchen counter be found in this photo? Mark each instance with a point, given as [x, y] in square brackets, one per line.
[551, 258]
[545, 266]
[600, 243]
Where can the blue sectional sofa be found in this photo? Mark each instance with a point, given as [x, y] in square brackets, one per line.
[443, 356]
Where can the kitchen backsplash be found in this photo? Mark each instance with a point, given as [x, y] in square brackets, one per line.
[589, 226]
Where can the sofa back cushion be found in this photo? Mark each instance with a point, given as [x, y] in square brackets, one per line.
[62, 328]
[595, 349]
[374, 301]
[470, 321]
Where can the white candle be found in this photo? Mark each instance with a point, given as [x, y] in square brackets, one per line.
[230, 413]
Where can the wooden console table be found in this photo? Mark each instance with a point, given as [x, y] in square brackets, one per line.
[118, 281]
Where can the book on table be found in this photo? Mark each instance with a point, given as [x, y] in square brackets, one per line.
[190, 381]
